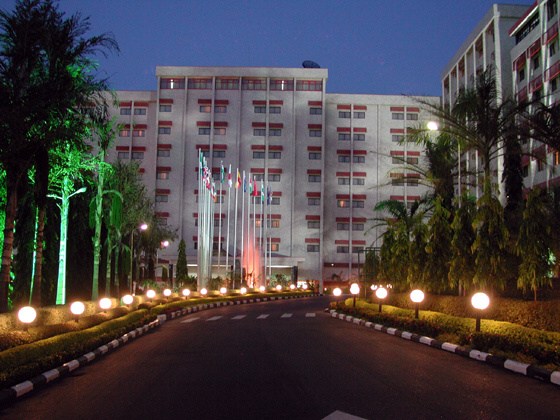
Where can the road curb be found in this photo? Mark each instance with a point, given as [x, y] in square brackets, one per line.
[511, 365]
[13, 393]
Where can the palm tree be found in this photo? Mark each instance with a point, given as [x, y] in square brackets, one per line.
[45, 75]
[462, 265]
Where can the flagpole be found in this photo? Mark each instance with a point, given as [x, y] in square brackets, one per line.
[254, 227]
[228, 219]
[248, 226]
[235, 229]
[199, 214]
[261, 260]
[242, 259]
[269, 234]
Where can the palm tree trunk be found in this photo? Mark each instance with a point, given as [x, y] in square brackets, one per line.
[11, 208]
[117, 272]
[109, 259]
[36, 300]
[97, 237]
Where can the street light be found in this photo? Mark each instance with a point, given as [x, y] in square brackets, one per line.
[27, 315]
[337, 292]
[354, 289]
[416, 296]
[433, 126]
[479, 301]
[186, 293]
[143, 226]
[262, 289]
[243, 290]
[204, 291]
[164, 244]
[278, 287]
[223, 290]
[167, 292]
[127, 299]
[105, 304]
[151, 294]
[77, 308]
[381, 294]
[304, 287]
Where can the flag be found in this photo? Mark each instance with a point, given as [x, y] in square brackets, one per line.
[230, 182]
[267, 195]
[250, 186]
[244, 182]
[262, 191]
[254, 186]
[222, 173]
[238, 182]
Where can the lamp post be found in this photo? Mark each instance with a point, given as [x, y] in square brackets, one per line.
[164, 244]
[186, 293]
[127, 300]
[27, 315]
[479, 301]
[77, 308]
[151, 294]
[354, 289]
[416, 296]
[381, 294]
[143, 226]
[337, 292]
[105, 304]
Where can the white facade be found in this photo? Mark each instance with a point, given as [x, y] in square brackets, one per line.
[327, 158]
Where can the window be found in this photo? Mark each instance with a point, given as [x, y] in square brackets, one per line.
[343, 226]
[200, 83]
[359, 114]
[170, 83]
[397, 138]
[258, 155]
[206, 154]
[314, 178]
[259, 132]
[343, 158]
[274, 177]
[412, 117]
[272, 247]
[219, 199]
[162, 221]
[165, 108]
[525, 171]
[204, 131]
[219, 131]
[313, 201]
[412, 182]
[160, 198]
[536, 61]
[552, 48]
[313, 224]
[139, 111]
[521, 74]
[274, 110]
[343, 181]
[138, 133]
[344, 114]
[220, 109]
[315, 133]
[397, 160]
[219, 153]
[273, 224]
[551, 9]
[398, 115]
[359, 137]
[358, 204]
[125, 111]
[309, 85]
[259, 177]
[162, 175]
[260, 109]
[358, 181]
[412, 160]
[124, 133]
[359, 159]
[205, 108]
[540, 165]
[253, 84]
[554, 84]
[216, 176]
[312, 248]
[314, 156]
[342, 250]
[357, 249]
[556, 158]
[164, 130]
[218, 222]
[123, 155]
[315, 111]
[344, 136]
[164, 153]
[227, 84]
[343, 203]
[284, 85]
[137, 155]
[357, 226]
[397, 181]
[274, 155]
[274, 132]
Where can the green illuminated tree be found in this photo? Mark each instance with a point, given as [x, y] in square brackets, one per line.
[462, 266]
[46, 76]
[438, 248]
[182, 271]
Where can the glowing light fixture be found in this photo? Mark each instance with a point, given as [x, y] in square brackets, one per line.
[262, 289]
[432, 126]
[151, 294]
[243, 290]
[27, 315]
[186, 293]
[416, 296]
[279, 288]
[292, 287]
[304, 287]
[167, 292]
[479, 301]
[77, 308]
[355, 289]
[127, 299]
[105, 304]
[223, 290]
[381, 294]
[203, 291]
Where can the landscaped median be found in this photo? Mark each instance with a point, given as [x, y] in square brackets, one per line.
[27, 366]
[523, 350]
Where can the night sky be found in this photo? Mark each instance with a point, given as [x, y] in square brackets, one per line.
[368, 46]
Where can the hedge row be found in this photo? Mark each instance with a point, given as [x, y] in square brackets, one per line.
[22, 362]
[538, 315]
[496, 336]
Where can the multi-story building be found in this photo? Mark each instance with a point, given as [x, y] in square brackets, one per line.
[328, 159]
[536, 76]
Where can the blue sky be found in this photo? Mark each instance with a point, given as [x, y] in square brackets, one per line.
[368, 46]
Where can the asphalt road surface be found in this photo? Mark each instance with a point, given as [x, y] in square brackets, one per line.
[284, 360]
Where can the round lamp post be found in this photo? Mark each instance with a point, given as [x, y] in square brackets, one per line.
[186, 293]
[167, 292]
[432, 126]
[416, 296]
[262, 289]
[304, 287]
[77, 308]
[203, 291]
[105, 304]
[292, 287]
[223, 290]
[354, 289]
[27, 315]
[337, 292]
[243, 290]
[381, 294]
[479, 301]
[127, 299]
[278, 287]
[151, 294]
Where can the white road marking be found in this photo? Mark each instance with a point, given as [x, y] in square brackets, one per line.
[239, 317]
[189, 320]
[310, 315]
[263, 316]
[339, 415]
[286, 316]
[214, 318]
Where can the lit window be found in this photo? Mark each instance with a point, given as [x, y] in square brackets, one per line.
[139, 111]
[125, 111]
[137, 155]
[200, 83]
[220, 109]
[227, 84]
[205, 108]
[359, 114]
[313, 224]
[167, 83]
[162, 175]
[556, 158]
[312, 201]
[219, 153]
[273, 224]
[344, 136]
[314, 178]
[160, 198]
[342, 203]
[274, 132]
[123, 155]
[344, 158]
[398, 115]
[124, 133]
[259, 132]
[219, 131]
[314, 156]
[315, 111]
[312, 248]
[342, 250]
[344, 114]
[204, 131]
[164, 153]
[138, 133]
[284, 85]
[272, 247]
[315, 133]
[540, 165]
[359, 137]
[164, 130]
[165, 108]
[309, 85]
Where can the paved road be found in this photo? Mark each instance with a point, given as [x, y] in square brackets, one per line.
[284, 360]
